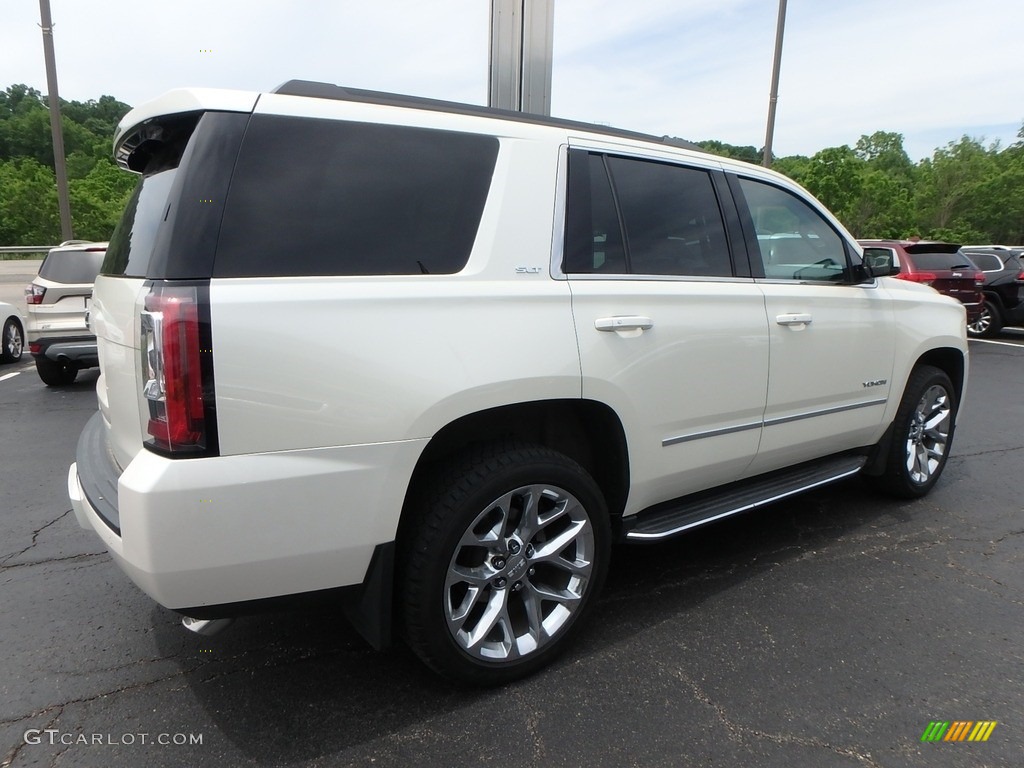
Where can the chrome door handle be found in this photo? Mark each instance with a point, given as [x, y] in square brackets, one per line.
[793, 319]
[620, 323]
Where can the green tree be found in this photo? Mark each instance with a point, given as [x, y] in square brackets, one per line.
[28, 203]
[835, 176]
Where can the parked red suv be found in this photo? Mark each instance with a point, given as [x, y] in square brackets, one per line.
[943, 266]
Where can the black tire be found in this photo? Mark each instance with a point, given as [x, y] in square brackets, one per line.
[989, 324]
[929, 397]
[54, 373]
[518, 589]
[12, 342]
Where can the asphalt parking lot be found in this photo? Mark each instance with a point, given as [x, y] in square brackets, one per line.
[828, 630]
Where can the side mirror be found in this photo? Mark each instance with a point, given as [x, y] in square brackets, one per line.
[881, 263]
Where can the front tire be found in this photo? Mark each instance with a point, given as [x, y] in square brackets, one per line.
[56, 373]
[13, 341]
[922, 435]
[505, 554]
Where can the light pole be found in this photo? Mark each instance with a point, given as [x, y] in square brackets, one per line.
[774, 98]
[59, 166]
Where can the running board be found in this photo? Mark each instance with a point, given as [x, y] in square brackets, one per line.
[671, 518]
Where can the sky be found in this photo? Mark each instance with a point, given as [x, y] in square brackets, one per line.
[932, 70]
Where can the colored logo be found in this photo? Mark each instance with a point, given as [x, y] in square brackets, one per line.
[958, 730]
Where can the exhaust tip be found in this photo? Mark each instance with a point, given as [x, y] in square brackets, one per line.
[205, 627]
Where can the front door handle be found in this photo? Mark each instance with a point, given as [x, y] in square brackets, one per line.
[800, 320]
[624, 325]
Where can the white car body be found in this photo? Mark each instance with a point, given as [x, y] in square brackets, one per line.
[329, 389]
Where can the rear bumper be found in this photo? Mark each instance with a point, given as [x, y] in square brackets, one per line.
[79, 350]
[230, 529]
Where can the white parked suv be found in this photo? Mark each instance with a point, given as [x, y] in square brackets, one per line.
[431, 360]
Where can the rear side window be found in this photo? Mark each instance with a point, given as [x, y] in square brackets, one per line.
[72, 266]
[642, 217]
[325, 197]
[987, 262]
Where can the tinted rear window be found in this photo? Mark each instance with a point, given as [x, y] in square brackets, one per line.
[71, 266]
[325, 197]
[926, 260]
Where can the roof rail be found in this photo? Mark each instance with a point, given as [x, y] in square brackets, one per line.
[318, 90]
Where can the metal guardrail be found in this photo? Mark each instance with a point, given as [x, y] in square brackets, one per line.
[26, 248]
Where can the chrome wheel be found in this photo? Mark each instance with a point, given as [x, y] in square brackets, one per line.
[928, 435]
[519, 573]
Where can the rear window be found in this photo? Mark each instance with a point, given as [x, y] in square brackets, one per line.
[931, 260]
[326, 197]
[71, 266]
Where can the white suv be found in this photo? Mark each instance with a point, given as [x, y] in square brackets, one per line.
[57, 301]
[433, 359]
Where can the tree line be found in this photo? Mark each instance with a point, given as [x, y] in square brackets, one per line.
[98, 189]
[966, 192]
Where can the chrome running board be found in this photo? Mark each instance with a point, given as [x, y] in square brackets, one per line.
[672, 518]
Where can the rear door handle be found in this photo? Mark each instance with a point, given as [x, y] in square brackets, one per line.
[632, 325]
[793, 319]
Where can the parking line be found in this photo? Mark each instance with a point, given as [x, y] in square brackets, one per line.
[1000, 343]
[7, 376]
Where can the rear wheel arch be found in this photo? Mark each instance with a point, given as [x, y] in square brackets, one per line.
[588, 432]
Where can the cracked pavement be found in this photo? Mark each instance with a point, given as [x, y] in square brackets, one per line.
[827, 630]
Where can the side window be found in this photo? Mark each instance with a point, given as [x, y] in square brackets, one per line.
[794, 241]
[593, 237]
[327, 197]
[670, 216]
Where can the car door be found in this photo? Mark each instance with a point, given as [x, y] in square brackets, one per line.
[669, 336]
[831, 333]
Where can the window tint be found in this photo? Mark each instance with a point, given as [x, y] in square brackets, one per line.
[932, 260]
[324, 197]
[131, 245]
[672, 222]
[593, 235]
[72, 266]
[794, 240]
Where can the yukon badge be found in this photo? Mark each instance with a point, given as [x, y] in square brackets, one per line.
[875, 383]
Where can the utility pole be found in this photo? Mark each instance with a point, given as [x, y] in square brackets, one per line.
[59, 165]
[520, 55]
[774, 98]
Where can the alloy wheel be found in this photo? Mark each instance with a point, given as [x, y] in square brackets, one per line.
[519, 573]
[928, 436]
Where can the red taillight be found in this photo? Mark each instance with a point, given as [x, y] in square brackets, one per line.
[979, 278]
[34, 293]
[927, 278]
[1021, 276]
[171, 369]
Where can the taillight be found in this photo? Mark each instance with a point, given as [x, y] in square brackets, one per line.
[927, 278]
[34, 293]
[979, 278]
[177, 370]
[1021, 276]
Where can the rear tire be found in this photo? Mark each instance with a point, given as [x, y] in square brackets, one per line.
[505, 553]
[989, 323]
[13, 341]
[56, 373]
[922, 435]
